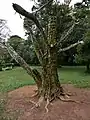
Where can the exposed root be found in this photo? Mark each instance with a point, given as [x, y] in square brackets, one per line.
[69, 94]
[62, 95]
[46, 106]
[41, 99]
[52, 99]
[66, 96]
[64, 90]
[34, 95]
[36, 90]
[32, 102]
[67, 100]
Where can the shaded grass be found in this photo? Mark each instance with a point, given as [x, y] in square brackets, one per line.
[75, 75]
[18, 77]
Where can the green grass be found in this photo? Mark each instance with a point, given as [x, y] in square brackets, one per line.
[13, 79]
[75, 75]
[17, 77]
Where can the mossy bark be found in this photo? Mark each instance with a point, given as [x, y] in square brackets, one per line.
[50, 82]
[51, 86]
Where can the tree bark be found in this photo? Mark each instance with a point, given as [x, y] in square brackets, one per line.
[50, 84]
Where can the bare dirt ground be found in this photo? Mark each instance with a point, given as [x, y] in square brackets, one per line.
[19, 100]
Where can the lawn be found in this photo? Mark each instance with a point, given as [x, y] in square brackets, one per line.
[17, 77]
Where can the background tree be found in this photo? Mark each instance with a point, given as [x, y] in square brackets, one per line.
[24, 48]
[83, 51]
[26, 51]
[15, 41]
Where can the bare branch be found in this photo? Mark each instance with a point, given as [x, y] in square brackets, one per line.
[29, 15]
[71, 46]
[42, 6]
[63, 37]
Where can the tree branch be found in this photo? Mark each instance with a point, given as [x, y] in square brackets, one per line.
[32, 72]
[30, 16]
[39, 51]
[63, 37]
[71, 46]
[42, 6]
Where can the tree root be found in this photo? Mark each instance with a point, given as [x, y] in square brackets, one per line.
[66, 96]
[62, 96]
[41, 99]
[37, 104]
[67, 100]
[46, 106]
[34, 95]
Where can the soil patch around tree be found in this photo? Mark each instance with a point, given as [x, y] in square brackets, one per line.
[19, 100]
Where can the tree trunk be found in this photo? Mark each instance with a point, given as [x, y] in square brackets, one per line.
[51, 87]
[50, 83]
[87, 67]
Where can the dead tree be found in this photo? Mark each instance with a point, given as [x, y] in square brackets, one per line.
[48, 83]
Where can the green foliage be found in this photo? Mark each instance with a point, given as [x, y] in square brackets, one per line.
[83, 51]
[26, 51]
[24, 48]
[15, 41]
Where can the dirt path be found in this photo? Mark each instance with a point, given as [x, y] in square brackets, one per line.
[19, 100]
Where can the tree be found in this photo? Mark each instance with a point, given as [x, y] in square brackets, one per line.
[63, 22]
[83, 50]
[26, 51]
[48, 84]
[15, 41]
